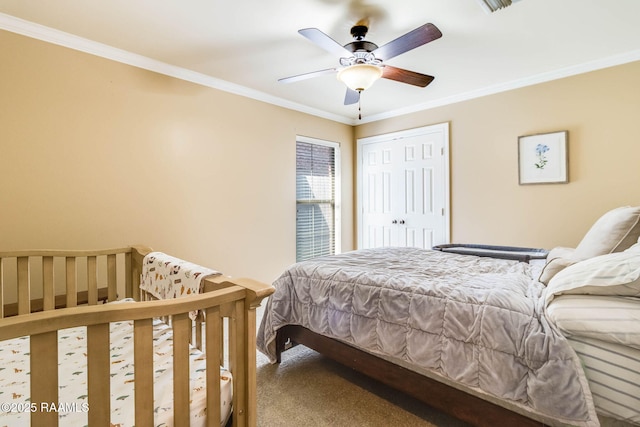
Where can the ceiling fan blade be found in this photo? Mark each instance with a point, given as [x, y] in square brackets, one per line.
[411, 40]
[406, 76]
[306, 76]
[351, 97]
[325, 42]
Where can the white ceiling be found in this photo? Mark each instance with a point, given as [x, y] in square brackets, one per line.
[245, 46]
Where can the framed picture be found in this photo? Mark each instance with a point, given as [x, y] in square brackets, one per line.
[543, 158]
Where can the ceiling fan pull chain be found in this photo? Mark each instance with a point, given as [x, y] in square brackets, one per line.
[360, 105]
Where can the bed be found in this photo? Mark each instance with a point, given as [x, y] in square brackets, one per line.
[83, 343]
[478, 337]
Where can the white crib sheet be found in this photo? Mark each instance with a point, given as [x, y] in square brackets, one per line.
[14, 379]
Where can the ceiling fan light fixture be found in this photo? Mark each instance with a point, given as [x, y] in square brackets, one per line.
[360, 77]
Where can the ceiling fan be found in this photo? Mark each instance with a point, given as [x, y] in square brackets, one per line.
[363, 61]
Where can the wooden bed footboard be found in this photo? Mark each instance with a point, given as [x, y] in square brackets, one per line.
[47, 291]
[450, 400]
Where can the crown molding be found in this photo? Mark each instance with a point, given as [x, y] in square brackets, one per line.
[585, 67]
[61, 38]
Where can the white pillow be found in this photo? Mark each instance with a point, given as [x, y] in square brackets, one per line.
[614, 231]
[611, 274]
[553, 267]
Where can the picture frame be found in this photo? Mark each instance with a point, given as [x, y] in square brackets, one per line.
[543, 158]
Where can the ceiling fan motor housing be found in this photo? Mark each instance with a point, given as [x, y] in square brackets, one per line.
[359, 31]
[361, 45]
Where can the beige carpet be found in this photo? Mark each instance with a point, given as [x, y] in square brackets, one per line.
[307, 389]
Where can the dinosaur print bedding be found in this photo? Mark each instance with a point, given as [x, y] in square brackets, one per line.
[72, 406]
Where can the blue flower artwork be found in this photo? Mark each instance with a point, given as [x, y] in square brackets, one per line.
[542, 158]
[541, 150]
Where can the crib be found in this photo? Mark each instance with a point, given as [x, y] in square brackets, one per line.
[47, 293]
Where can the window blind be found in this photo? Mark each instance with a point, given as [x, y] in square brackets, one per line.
[315, 200]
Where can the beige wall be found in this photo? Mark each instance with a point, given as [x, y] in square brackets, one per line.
[95, 153]
[99, 154]
[600, 110]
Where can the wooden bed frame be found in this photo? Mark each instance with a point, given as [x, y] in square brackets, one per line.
[50, 290]
[450, 400]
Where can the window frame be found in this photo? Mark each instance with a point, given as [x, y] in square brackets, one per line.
[337, 193]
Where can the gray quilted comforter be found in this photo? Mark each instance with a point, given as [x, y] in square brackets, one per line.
[474, 321]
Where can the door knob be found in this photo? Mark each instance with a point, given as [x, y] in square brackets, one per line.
[402, 221]
[395, 221]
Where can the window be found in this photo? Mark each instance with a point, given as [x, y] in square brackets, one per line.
[317, 193]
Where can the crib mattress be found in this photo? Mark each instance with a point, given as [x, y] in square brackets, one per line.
[605, 333]
[14, 379]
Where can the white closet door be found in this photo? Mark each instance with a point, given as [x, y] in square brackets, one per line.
[403, 188]
[380, 187]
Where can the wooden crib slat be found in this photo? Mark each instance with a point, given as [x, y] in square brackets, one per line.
[251, 363]
[237, 363]
[143, 371]
[181, 337]
[1, 287]
[48, 286]
[112, 284]
[92, 281]
[199, 323]
[24, 295]
[98, 374]
[213, 341]
[72, 287]
[222, 332]
[44, 377]
[128, 278]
